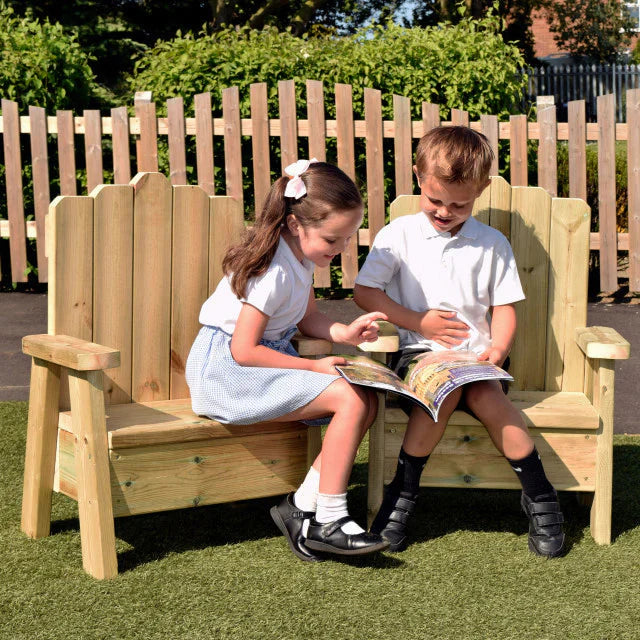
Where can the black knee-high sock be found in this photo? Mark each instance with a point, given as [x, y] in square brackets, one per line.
[408, 472]
[531, 474]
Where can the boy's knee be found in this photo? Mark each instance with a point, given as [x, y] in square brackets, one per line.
[481, 392]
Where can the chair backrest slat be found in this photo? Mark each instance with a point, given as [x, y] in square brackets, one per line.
[70, 294]
[151, 287]
[113, 283]
[226, 225]
[568, 282]
[501, 206]
[530, 217]
[189, 278]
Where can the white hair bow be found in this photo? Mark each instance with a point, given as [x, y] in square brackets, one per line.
[295, 187]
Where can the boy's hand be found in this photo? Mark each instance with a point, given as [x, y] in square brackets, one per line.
[362, 329]
[494, 355]
[327, 365]
[443, 327]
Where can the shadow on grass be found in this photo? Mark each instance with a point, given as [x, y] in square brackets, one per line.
[440, 512]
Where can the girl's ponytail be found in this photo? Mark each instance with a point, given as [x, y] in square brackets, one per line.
[255, 252]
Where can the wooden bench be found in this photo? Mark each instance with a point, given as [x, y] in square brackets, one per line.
[129, 268]
[564, 371]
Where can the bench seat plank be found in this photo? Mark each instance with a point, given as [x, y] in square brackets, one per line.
[541, 409]
[170, 421]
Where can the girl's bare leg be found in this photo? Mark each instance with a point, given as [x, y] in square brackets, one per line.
[353, 410]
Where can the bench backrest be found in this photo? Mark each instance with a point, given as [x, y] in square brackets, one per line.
[130, 266]
[550, 240]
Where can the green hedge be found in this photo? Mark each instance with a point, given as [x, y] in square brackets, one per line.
[466, 66]
[44, 66]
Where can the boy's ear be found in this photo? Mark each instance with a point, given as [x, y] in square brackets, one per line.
[415, 171]
[484, 186]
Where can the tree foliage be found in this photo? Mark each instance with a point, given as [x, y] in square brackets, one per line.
[597, 29]
[42, 65]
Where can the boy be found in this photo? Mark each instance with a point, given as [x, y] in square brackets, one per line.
[448, 281]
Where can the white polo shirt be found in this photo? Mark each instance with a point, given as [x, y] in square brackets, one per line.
[422, 268]
[282, 293]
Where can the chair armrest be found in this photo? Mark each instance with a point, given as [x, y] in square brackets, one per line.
[307, 346]
[602, 342]
[388, 340]
[73, 353]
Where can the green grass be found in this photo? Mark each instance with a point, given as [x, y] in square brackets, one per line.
[225, 572]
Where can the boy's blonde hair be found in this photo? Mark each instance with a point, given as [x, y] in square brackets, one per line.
[454, 154]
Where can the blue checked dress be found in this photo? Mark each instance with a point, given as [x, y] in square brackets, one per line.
[231, 393]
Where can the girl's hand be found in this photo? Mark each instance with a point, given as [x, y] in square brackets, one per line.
[494, 355]
[327, 365]
[443, 327]
[362, 329]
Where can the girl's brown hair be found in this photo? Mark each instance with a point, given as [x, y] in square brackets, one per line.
[454, 154]
[329, 190]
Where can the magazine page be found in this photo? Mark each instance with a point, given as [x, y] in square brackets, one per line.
[369, 373]
[435, 374]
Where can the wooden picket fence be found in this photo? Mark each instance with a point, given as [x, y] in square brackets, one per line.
[145, 128]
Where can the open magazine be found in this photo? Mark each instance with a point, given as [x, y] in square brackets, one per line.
[430, 377]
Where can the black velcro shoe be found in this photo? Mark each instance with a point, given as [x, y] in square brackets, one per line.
[546, 537]
[289, 519]
[392, 518]
[330, 538]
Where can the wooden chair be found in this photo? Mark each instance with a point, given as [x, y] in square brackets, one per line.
[129, 267]
[563, 370]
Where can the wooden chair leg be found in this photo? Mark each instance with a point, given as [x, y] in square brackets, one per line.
[95, 509]
[376, 462]
[603, 401]
[40, 456]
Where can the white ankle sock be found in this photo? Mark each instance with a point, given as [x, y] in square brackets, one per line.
[306, 497]
[333, 507]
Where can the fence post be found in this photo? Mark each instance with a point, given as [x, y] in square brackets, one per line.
[13, 180]
[147, 139]
[518, 151]
[577, 150]
[607, 193]
[633, 177]
[547, 146]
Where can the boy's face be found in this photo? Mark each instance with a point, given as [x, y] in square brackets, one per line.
[447, 205]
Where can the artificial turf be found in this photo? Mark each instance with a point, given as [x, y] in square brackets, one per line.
[224, 571]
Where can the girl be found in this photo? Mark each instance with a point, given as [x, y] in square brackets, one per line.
[243, 369]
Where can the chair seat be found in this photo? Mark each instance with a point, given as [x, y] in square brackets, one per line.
[163, 456]
[170, 421]
[541, 410]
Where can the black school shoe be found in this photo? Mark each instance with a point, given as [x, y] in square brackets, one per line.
[289, 519]
[330, 538]
[392, 518]
[546, 537]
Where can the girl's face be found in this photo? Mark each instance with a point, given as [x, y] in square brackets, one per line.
[320, 244]
[448, 206]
